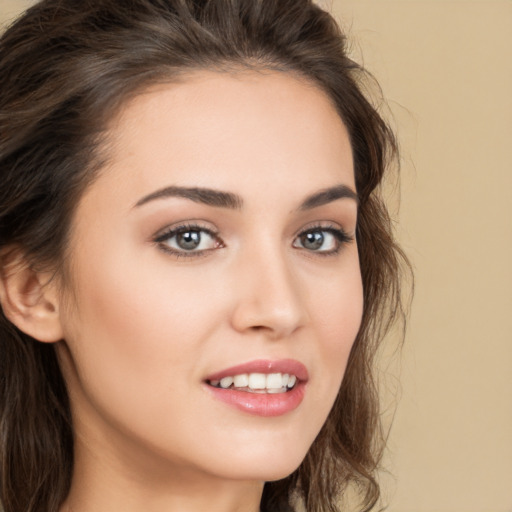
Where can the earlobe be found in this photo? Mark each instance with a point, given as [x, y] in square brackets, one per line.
[29, 299]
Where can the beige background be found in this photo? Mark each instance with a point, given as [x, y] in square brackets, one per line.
[446, 70]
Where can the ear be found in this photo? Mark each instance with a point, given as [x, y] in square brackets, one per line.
[29, 299]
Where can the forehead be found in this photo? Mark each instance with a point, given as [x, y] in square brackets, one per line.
[229, 131]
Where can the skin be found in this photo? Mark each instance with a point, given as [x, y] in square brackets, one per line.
[144, 327]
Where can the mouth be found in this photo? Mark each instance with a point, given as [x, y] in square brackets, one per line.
[263, 388]
[257, 382]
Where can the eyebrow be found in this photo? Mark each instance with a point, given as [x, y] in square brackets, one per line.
[328, 195]
[198, 195]
[232, 201]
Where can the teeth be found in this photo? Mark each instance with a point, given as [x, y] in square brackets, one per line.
[241, 381]
[258, 382]
[226, 382]
[274, 380]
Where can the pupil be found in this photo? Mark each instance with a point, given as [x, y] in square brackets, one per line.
[313, 240]
[188, 240]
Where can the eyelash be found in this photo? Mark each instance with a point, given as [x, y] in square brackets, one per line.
[182, 229]
[342, 238]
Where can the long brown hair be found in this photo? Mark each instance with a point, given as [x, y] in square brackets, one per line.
[66, 67]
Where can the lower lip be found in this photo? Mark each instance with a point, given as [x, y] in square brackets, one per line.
[261, 404]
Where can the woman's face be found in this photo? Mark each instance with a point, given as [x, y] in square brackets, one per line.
[216, 249]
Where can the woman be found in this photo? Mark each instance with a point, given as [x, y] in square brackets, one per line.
[196, 267]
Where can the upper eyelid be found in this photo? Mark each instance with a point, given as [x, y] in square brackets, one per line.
[322, 225]
[172, 229]
[208, 228]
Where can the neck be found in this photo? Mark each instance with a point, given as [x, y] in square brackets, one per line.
[122, 494]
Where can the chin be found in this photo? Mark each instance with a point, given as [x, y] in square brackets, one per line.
[266, 466]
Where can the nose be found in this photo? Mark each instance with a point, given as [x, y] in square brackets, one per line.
[268, 296]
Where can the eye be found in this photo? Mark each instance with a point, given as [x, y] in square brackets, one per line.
[326, 240]
[188, 240]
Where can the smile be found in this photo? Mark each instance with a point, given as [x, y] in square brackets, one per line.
[262, 387]
[257, 382]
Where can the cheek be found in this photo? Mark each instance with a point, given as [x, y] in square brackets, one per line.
[134, 335]
[337, 313]
[136, 300]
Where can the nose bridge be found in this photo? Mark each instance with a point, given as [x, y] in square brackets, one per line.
[268, 294]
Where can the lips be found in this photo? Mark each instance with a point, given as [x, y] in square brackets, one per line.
[261, 387]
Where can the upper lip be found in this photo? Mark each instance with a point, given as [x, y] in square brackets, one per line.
[290, 366]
